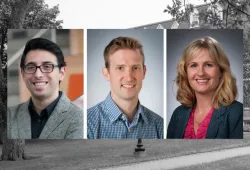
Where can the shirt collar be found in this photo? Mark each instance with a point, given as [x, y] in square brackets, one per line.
[141, 112]
[140, 115]
[114, 113]
[49, 109]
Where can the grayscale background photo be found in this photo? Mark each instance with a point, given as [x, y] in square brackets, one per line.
[151, 94]
[231, 42]
[118, 154]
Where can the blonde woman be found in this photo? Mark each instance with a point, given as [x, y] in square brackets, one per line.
[207, 91]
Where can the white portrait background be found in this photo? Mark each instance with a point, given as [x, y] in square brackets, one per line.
[151, 94]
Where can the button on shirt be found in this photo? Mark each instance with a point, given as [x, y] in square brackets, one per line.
[38, 121]
[106, 120]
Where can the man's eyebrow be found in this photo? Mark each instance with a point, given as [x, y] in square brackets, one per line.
[118, 65]
[47, 62]
[34, 63]
[31, 63]
[138, 65]
[126, 65]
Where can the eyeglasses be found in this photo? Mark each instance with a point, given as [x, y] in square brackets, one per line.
[45, 68]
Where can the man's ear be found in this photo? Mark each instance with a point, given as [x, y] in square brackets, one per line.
[105, 73]
[62, 72]
[22, 72]
[144, 71]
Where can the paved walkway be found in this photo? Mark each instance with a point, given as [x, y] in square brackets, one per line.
[188, 160]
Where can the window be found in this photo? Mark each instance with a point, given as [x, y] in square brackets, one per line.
[195, 21]
[19, 34]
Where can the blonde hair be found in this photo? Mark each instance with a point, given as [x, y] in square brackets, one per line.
[122, 43]
[226, 92]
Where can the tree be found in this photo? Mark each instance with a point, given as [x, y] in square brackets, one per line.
[3, 81]
[236, 15]
[39, 15]
[19, 14]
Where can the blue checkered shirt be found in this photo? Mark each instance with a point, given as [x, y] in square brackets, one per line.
[106, 120]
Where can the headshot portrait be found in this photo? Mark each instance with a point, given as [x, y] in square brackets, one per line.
[45, 82]
[125, 84]
[205, 76]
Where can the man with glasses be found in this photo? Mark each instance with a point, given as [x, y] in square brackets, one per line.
[48, 114]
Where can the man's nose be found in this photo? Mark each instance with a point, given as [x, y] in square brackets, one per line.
[38, 72]
[129, 74]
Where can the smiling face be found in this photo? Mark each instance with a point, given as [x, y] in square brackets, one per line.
[125, 73]
[42, 85]
[203, 73]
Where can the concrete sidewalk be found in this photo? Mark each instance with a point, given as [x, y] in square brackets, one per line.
[188, 160]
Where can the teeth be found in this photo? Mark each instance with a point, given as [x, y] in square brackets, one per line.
[128, 86]
[202, 81]
[40, 84]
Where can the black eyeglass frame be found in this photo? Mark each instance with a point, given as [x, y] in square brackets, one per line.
[53, 66]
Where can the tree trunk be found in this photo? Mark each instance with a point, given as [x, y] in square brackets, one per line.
[12, 149]
[12, 15]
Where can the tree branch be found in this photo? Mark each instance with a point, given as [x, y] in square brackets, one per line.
[237, 8]
[227, 14]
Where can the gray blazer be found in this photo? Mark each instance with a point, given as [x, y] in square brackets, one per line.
[65, 122]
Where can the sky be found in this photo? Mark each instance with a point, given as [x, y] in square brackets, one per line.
[118, 14]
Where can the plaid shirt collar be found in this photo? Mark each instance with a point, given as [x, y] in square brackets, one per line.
[114, 113]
